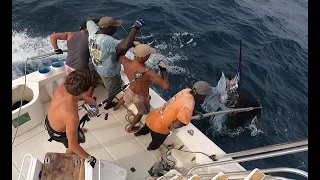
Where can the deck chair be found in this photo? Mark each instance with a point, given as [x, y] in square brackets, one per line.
[220, 176]
[195, 177]
[256, 174]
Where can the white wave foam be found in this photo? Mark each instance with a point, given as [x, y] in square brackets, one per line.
[24, 46]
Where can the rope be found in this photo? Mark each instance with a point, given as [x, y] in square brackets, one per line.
[129, 116]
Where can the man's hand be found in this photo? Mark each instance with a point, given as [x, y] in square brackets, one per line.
[138, 24]
[58, 51]
[135, 43]
[89, 100]
[162, 66]
[91, 160]
[199, 114]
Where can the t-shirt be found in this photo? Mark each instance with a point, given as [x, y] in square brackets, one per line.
[179, 107]
[102, 49]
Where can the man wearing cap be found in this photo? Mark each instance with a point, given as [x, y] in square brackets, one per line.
[175, 113]
[105, 50]
[138, 91]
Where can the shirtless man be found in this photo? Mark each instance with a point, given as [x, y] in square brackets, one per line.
[138, 91]
[62, 120]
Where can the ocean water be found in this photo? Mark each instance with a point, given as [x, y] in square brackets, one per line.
[201, 40]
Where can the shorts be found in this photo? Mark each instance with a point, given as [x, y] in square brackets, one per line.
[142, 103]
[62, 136]
[69, 69]
[112, 83]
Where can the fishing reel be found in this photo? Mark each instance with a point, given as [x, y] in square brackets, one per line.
[92, 110]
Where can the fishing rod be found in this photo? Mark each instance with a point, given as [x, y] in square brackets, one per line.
[229, 111]
[93, 111]
[44, 55]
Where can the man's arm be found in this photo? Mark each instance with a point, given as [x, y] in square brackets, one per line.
[177, 124]
[162, 82]
[92, 27]
[94, 19]
[123, 60]
[72, 134]
[59, 36]
[127, 43]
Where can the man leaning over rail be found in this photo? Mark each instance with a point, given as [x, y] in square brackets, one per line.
[78, 52]
[62, 120]
[175, 113]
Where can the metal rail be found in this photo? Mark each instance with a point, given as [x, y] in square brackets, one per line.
[264, 149]
[246, 173]
[41, 56]
[254, 157]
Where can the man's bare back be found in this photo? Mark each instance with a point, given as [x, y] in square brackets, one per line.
[62, 107]
[141, 85]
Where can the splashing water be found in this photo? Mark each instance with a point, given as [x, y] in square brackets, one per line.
[211, 104]
[24, 46]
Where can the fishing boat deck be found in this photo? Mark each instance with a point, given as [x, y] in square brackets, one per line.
[105, 139]
[108, 140]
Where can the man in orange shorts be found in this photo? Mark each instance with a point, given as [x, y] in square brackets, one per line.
[175, 113]
[138, 91]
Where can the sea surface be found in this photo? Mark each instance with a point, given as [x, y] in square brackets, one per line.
[200, 40]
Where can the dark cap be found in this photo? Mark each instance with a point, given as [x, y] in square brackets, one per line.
[83, 26]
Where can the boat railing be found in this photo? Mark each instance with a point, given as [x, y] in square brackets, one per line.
[264, 154]
[243, 174]
[254, 154]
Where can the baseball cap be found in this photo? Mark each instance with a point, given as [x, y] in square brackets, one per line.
[142, 50]
[109, 21]
[202, 88]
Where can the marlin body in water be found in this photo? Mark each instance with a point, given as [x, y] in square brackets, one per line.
[232, 94]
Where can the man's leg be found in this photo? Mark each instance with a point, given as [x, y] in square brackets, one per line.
[111, 83]
[143, 131]
[157, 140]
[119, 103]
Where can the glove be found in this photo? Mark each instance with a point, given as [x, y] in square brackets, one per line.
[199, 114]
[138, 24]
[91, 160]
[162, 66]
[58, 51]
[136, 43]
